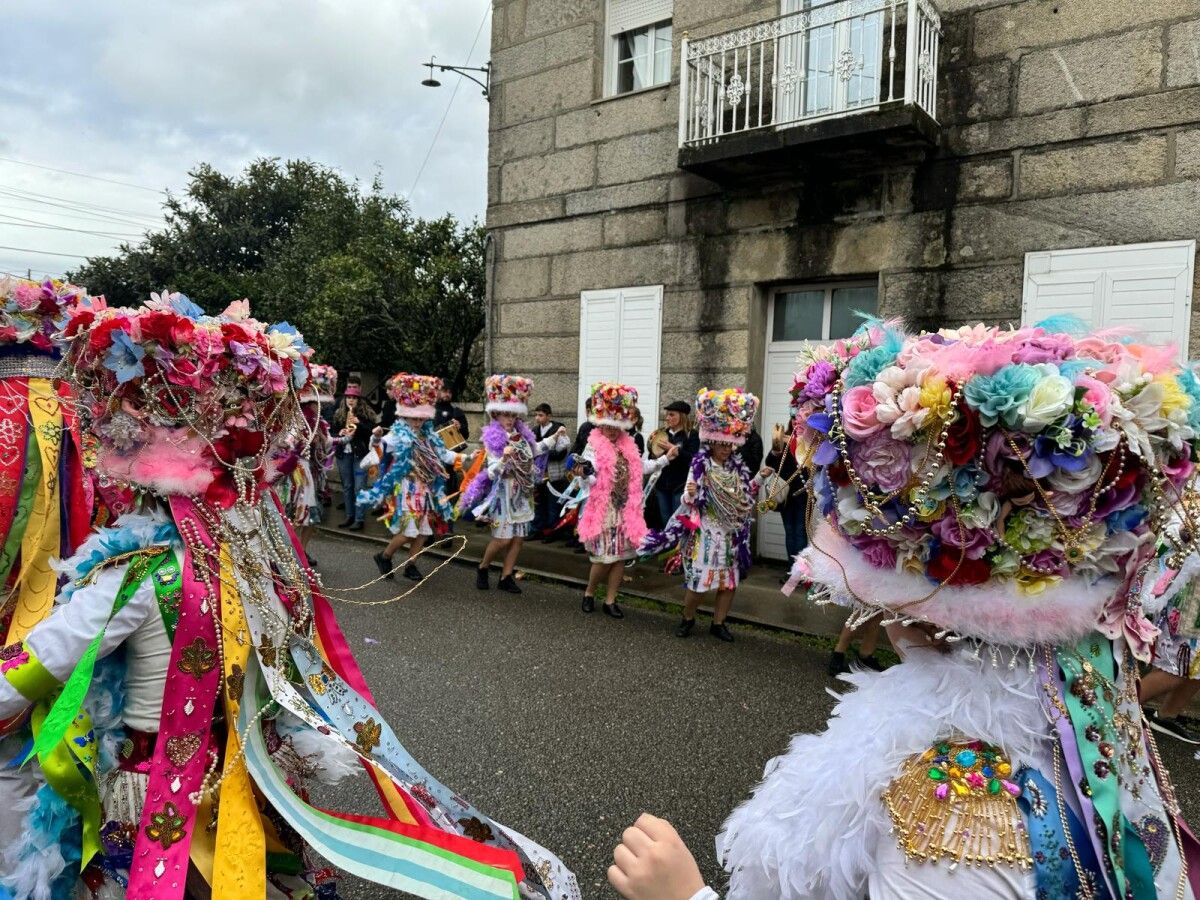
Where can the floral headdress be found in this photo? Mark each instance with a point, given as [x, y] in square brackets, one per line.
[508, 393]
[323, 385]
[415, 395]
[1010, 479]
[614, 404]
[177, 399]
[32, 312]
[725, 416]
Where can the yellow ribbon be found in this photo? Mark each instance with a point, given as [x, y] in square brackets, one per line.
[239, 872]
[36, 579]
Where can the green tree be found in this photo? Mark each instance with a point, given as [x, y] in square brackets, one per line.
[372, 287]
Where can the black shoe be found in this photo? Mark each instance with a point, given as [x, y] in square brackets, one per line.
[412, 573]
[385, 566]
[508, 584]
[346, 524]
[837, 664]
[481, 579]
[870, 662]
[357, 526]
[613, 611]
[589, 604]
[684, 628]
[1172, 727]
[721, 632]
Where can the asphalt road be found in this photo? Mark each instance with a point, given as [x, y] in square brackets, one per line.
[566, 726]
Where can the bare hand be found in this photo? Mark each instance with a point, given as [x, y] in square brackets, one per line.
[672, 451]
[690, 491]
[766, 470]
[653, 863]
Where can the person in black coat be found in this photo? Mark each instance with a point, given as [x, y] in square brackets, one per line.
[752, 451]
[353, 423]
[551, 473]
[444, 411]
[794, 510]
[669, 490]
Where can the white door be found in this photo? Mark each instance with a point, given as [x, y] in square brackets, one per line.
[796, 315]
[1147, 287]
[620, 339]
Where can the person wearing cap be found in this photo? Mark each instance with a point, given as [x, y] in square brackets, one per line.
[612, 524]
[353, 422]
[678, 431]
[551, 471]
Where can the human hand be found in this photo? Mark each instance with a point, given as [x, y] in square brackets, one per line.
[690, 491]
[766, 471]
[653, 863]
[672, 451]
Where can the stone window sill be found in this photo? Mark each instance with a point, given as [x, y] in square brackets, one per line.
[639, 92]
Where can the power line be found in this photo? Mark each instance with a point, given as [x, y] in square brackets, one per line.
[47, 252]
[81, 216]
[437, 134]
[128, 184]
[16, 222]
[71, 208]
[97, 207]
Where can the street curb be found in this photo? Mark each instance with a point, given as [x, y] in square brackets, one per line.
[558, 578]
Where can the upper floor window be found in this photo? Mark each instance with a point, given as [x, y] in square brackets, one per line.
[639, 45]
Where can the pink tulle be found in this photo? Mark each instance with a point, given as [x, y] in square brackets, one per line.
[167, 462]
[633, 522]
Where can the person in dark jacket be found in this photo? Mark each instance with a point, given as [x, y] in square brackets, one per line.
[752, 451]
[444, 411]
[669, 489]
[550, 472]
[585, 428]
[782, 461]
[353, 422]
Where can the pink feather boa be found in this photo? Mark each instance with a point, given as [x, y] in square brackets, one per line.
[171, 462]
[633, 522]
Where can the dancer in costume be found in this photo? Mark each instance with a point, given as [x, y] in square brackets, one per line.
[503, 493]
[997, 495]
[712, 525]
[46, 500]
[415, 482]
[236, 687]
[613, 525]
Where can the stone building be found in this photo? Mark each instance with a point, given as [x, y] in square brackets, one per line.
[687, 224]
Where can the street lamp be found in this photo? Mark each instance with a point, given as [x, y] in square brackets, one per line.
[464, 71]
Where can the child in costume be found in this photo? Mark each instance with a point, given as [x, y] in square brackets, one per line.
[502, 494]
[235, 686]
[997, 495]
[415, 481]
[613, 525]
[712, 525]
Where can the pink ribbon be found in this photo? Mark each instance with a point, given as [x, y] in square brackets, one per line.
[160, 856]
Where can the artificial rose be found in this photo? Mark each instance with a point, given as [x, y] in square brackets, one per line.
[950, 566]
[902, 411]
[819, 380]
[878, 552]
[1097, 394]
[1044, 348]
[100, 337]
[858, 413]
[954, 533]
[1050, 399]
[882, 461]
[963, 436]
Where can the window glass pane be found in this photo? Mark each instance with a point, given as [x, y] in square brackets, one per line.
[799, 316]
[662, 36]
[624, 76]
[846, 304]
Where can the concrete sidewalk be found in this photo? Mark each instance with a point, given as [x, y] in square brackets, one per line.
[758, 600]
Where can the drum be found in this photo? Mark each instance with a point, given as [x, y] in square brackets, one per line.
[451, 436]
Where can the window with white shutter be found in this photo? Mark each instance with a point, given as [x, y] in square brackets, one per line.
[639, 39]
[620, 339]
[1147, 287]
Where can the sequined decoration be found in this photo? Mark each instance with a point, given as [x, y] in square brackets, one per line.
[957, 800]
[166, 826]
[197, 659]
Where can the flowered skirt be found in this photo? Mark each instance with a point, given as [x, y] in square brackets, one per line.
[414, 509]
[610, 546]
[1174, 652]
[709, 559]
[508, 508]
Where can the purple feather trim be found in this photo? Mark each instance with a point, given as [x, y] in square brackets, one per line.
[494, 439]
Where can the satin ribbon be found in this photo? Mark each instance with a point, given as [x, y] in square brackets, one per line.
[14, 428]
[238, 872]
[30, 474]
[78, 496]
[1054, 871]
[41, 541]
[160, 856]
[1130, 862]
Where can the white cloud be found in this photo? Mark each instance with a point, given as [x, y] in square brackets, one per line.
[143, 90]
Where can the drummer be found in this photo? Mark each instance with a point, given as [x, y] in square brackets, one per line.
[677, 431]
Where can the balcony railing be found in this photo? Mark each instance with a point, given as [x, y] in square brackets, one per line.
[828, 60]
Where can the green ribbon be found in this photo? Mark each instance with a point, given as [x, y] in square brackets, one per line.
[168, 590]
[1081, 664]
[70, 700]
[30, 482]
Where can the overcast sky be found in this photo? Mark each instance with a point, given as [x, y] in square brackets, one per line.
[140, 91]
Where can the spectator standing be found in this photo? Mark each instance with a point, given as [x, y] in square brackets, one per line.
[444, 411]
[612, 525]
[551, 470]
[585, 429]
[639, 439]
[752, 451]
[669, 490]
[794, 509]
[353, 422]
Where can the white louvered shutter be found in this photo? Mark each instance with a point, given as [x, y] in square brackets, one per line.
[1147, 287]
[620, 338]
[626, 15]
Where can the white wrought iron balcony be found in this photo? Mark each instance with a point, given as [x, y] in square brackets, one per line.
[822, 61]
